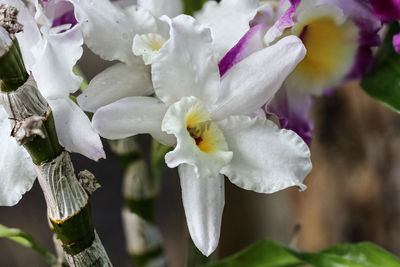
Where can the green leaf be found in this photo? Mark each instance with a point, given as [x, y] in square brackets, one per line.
[27, 240]
[190, 6]
[267, 253]
[383, 82]
[351, 255]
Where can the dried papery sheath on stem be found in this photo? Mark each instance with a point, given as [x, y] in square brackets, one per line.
[139, 190]
[32, 124]
[12, 68]
[8, 19]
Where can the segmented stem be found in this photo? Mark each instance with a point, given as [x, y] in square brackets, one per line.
[140, 189]
[33, 127]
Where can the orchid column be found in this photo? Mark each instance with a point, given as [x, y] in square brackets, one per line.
[33, 127]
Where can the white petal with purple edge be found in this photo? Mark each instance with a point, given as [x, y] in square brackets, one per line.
[265, 158]
[114, 83]
[203, 200]
[228, 20]
[287, 10]
[250, 43]
[17, 173]
[171, 8]
[350, 8]
[55, 56]
[131, 116]
[56, 9]
[186, 65]
[245, 88]
[74, 129]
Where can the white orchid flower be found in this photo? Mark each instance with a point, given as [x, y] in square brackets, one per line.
[49, 54]
[208, 118]
[131, 34]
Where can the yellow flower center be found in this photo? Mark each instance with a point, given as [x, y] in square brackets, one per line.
[204, 132]
[331, 48]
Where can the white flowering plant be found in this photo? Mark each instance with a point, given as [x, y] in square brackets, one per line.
[224, 89]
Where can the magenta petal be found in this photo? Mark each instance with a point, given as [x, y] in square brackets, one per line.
[66, 18]
[60, 12]
[293, 110]
[251, 42]
[284, 22]
[386, 10]
[396, 42]
[368, 38]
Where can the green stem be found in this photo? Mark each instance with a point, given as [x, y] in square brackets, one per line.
[12, 69]
[140, 189]
[27, 240]
[158, 152]
[67, 201]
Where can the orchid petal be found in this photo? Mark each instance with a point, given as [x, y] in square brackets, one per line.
[53, 69]
[250, 43]
[114, 83]
[203, 200]
[124, 3]
[171, 8]
[386, 9]
[210, 154]
[186, 65]
[228, 20]
[265, 159]
[293, 110]
[131, 116]
[265, 15]
[17, 173]
[331, 42]
[246, 81]
[109, 30]
[60, 12]
[351, 9]
[284, 22]
[74, 130]
[147, 46]
[396, 42]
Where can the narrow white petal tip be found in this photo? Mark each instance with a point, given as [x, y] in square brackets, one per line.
[203, 200]
[99, 154]
[206, 249]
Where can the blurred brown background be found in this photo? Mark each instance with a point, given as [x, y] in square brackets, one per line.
[353, 191]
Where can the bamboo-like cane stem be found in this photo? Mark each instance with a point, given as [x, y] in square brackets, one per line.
[140, 189]
[33, 127]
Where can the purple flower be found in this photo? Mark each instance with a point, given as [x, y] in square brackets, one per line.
[338, 36]
[386, 10]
